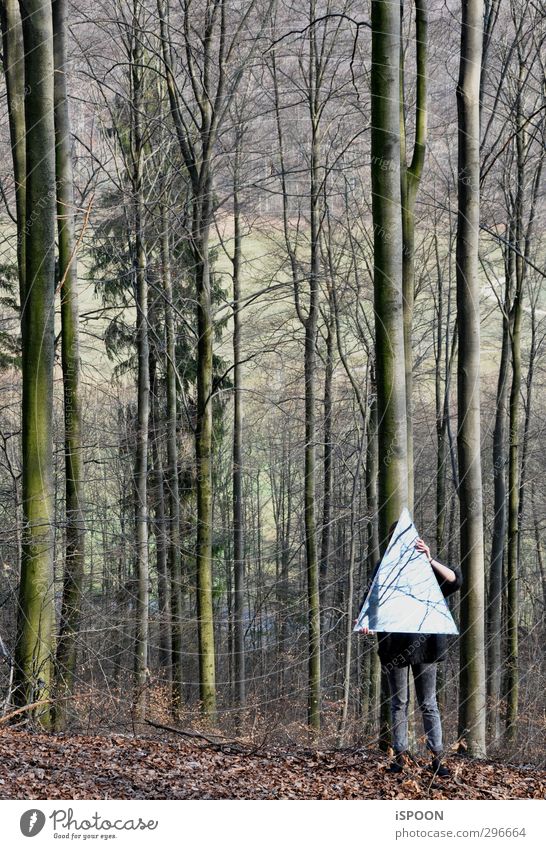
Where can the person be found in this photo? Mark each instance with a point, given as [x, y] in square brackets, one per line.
[398, 652]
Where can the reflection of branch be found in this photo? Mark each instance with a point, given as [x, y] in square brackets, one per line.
[393, 587]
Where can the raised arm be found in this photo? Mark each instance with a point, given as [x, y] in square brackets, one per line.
[449, 579]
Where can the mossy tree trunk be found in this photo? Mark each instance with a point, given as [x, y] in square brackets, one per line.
[36, 617]
[203, 444]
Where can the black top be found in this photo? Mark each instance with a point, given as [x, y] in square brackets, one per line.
[403, 649]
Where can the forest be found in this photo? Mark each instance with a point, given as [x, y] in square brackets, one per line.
[270, 272]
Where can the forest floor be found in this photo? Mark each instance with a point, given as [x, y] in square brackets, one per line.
[48, 766]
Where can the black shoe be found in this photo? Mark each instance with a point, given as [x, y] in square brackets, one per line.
[399, 761]
[439, 769]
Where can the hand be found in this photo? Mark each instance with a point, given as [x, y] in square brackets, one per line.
[421, 545]
[364, 630]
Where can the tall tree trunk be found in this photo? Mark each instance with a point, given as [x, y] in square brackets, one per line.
[538, 549]
[157, 492]
[410, 176]
[203, 445]
[512, 565]
[70, 351]
[326, 534]
[313, 591]
[371, 686]
[494, 601]
[472, 610]
[349, 636]
[389, 328]
[173, 553]
[238, 526]
[387, 223]
[143, 403]
[34, 645]
[512, 571]
[448, 343]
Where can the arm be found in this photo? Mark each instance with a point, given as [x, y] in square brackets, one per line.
[449, 579]
[444, 571]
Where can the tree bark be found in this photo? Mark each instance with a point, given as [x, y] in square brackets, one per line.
[387, 224]
[36, 617]
[410, 177]
[494, 601]
[313, 578]
[143, 402]
[173, 552]
[349, 636]
[326, 534]
[157, 493]
[203, 446]
[70, 353]
[237, 482]
[373, 684]
[472, 610]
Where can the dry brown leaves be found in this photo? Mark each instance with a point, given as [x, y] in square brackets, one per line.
[47, 766]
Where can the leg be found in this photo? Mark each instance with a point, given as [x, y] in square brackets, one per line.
[399, 687]
[424, 675]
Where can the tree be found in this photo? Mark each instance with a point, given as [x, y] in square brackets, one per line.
[214, 62]
[472, 648]
[173, 553]
[143, 349]
[410, 175]
[70, 352]
[34, 647]
[237, 473]
[387, 239]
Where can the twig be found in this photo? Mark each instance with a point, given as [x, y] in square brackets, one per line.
[228, 746]
[5, 719]
[173, 730]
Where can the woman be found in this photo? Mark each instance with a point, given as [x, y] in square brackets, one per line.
[400, 651]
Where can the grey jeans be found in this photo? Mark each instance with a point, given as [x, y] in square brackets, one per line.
[424, 676]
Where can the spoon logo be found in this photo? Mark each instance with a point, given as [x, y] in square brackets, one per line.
[32, 822]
